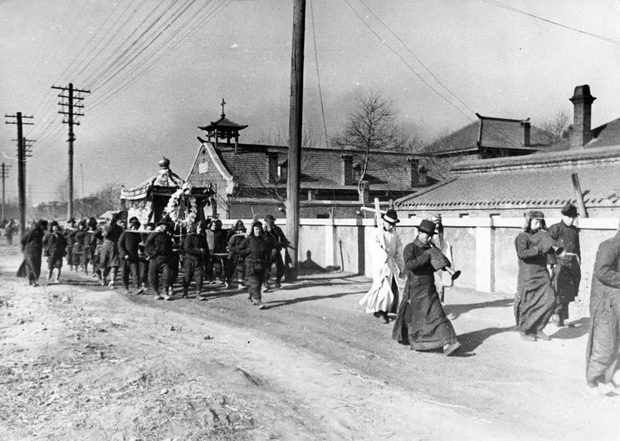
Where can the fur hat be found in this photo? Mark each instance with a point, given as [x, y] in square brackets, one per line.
[427, 227]
[536, 215]
[570, 210]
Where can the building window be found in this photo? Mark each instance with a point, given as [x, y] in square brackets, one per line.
[283, 171]
[322, 216]
[203, 167]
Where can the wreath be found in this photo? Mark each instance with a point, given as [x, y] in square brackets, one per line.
[174, 207]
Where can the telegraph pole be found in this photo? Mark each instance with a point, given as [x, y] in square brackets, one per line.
[5, 174]
[295, 131]
[68, 108]
[21, 166]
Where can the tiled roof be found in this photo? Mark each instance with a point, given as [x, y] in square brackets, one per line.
[489, 132]
[223, 122]
[549, 187]
[322, 168]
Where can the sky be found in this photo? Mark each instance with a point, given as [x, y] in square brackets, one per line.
[156, 70]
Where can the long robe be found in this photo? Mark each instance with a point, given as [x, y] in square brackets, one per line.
[32, 246]
[535, 298]
[421, 320]
[602, 352]
[568, 270]
[387, 252]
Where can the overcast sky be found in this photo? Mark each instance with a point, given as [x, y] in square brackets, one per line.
[158, 69]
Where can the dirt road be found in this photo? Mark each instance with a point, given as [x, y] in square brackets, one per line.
[80, 362]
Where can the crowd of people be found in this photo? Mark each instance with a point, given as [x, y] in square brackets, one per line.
[150, 256]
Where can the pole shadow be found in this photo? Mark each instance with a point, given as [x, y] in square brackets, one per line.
[279, 303]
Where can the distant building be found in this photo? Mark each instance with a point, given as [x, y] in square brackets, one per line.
[250, 179]
[582, 169]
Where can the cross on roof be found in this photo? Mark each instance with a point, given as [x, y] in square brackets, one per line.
[223, 104]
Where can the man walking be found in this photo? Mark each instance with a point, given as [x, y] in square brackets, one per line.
[604, 339]
[128, 249]
[158, 248]
[567, 271]
[280, 242]
[55, 248]
[196, 252]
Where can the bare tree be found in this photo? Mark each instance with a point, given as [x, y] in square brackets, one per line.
[556, 126]
[371, 126]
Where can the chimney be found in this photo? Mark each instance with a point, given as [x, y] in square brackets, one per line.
[415, 174]
[347, 169]
[582, 116]
[527, 129]
[423, 176]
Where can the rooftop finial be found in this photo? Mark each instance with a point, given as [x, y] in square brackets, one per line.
[223, 104]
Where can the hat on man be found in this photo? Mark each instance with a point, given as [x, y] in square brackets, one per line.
[270, 218]
[569, 210]
[427, 226]
[536, 215]
[390, 216]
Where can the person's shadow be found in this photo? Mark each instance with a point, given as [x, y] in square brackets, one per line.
[471, 340]
[454, 311]
[577, 329]
[309, 266]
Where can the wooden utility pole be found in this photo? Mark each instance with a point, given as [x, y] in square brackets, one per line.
[21, 167]
[5, 174]
[295, 132]
[70, 106]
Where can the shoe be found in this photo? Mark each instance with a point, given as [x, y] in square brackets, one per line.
[226, 285]
[592, 388]
[541, 335]
[203, 298]
[158, 297]
[528, 337]
[111, 285]
[261, 306]
[555, 319]
[451, 348]
[167, 297]
[140, 291]
[384, 317]
[278, 285]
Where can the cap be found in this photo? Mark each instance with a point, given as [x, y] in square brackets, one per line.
[270, 218]
[427, 226]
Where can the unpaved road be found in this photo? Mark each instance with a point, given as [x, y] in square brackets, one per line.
[80, 362]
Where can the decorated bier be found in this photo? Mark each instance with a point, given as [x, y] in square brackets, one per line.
[166, 195]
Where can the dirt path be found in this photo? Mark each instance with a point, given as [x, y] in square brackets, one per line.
[80, 362]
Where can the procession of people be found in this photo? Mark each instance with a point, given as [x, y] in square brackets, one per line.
[407, 287]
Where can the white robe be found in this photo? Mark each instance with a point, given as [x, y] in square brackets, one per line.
[387, 252]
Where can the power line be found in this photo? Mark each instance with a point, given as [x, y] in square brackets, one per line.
[555, 23]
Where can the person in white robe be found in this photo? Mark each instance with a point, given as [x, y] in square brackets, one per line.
[388, 264]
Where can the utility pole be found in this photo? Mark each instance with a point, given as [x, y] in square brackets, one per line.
[5, 174]
[295, 132]
[68, 107]
[82, 174]
[21, 166]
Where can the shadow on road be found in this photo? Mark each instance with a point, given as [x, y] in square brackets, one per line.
[278, 303]
[471, 340]
[457, 310]
[578, 329]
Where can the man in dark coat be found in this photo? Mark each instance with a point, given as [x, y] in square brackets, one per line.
[128, 250]
[55, 248]
[256, 250]
[158, 248]
[421, 321]
[603, 343]
[32, 246]
[567, 271]
[219, 259]
[535, 298]
[109, 259]
[280, 242]
[237, 264]
[196, 255]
